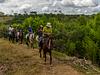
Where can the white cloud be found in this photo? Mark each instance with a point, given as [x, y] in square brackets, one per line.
[67, 2]
[25, 6]
[96, 9]
[82, 3]
[88, 3]
[8, 6]
[45, 9]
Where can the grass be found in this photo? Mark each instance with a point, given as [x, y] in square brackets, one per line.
[66, 59]
[59, 55]
[19, 60]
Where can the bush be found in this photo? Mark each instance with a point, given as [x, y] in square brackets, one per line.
[74, 35]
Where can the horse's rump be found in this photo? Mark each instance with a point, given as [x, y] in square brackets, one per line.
[31, 37]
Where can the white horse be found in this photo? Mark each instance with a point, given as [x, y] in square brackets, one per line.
[30, 40]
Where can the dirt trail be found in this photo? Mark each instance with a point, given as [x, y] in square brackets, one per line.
[20, 60]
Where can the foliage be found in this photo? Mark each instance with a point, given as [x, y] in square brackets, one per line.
[75, 35]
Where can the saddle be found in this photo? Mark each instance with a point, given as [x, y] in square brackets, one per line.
[47, 41]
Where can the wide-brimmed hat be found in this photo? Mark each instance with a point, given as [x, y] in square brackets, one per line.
[41, 25]
[49, 25]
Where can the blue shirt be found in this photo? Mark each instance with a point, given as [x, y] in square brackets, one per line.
[30, 29]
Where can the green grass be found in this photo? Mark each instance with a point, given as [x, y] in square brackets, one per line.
[17, 60]
[64, 58]
[59, 55]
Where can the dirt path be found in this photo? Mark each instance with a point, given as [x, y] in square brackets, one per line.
[19, 60]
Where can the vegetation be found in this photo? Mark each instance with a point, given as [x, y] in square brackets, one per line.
[74, 35]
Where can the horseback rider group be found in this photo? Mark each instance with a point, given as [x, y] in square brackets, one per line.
[42, 32]
[15, 34]
[44, 38]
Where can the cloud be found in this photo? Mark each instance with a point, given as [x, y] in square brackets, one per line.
[1, 1]
[25, 6]
[88, 3]
[67, 2]
[96, 9]
[45, 9]
[80, 3]
[9, 6]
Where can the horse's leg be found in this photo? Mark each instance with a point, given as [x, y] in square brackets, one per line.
[13, 40]
[50, 57]
[21, 39]
[16, 39]
[9, 37]
[40, 48]
[40, 51]
[31, 45]
[45, 54]
[26, 42]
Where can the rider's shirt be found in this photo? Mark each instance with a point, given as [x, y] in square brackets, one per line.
[30, 29]
[40, 32]
[10, 29]
[47, 30]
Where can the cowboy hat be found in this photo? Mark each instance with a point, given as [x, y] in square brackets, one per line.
[49, 25]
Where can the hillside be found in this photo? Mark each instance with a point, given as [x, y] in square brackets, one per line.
[19, 60]
[4, 19]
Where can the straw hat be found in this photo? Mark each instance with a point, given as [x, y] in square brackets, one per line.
[49, 25]
[41, 25]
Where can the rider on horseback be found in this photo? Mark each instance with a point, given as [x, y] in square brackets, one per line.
[47, 32]
[10, 29]
[47, 41]
[30, 31]
[40, 34]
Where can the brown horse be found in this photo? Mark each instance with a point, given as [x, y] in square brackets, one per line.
[46, 45]
[19, 37]
[12, 35]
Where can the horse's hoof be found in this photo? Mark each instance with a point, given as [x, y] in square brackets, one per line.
[43, 56]
[50, 63]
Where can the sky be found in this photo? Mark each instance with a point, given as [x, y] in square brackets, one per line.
[48, 6]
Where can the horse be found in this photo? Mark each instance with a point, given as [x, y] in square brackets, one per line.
[40, 44]
[30, 40]
[12, 35]
[46, 45]
[19, 37]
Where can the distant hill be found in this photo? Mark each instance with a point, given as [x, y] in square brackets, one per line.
[5, 18]
[1, 13]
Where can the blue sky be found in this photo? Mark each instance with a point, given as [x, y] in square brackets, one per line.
[47, 6]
